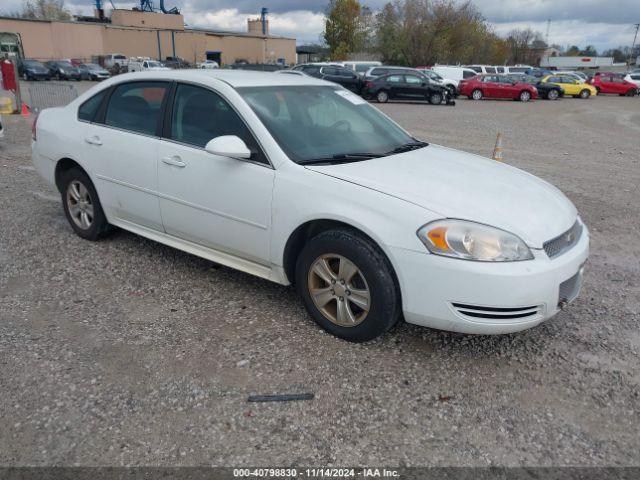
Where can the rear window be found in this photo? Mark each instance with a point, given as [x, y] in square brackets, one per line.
[88, 109]
[136, 106]
[468, 74]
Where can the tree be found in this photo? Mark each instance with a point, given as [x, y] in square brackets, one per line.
[425, 32]
[573, 51]
[589, 51]
[524, 45]
[44, 10]
[346, 28]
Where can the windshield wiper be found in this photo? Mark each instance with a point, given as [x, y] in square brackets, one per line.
[407, 147]
[342, 158]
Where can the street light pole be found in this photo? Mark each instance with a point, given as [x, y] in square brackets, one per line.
[633, 46]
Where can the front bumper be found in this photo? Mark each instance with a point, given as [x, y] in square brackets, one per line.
[487, 298]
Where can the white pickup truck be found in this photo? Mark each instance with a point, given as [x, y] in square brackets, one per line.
[115, 62]
[146, 65]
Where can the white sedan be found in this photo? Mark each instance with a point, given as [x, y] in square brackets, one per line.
[297, 180]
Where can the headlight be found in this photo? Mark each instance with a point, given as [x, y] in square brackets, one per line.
[473, 241]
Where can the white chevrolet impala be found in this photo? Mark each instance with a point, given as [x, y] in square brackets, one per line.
[299, 181]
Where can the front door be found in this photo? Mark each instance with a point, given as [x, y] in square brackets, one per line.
[395, 85]
[415, 87]
[122, 145]
[214, 201]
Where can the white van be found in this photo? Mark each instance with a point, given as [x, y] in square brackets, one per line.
[513, 69]
[453, 72]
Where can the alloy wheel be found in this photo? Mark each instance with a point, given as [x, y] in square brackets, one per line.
[552, 95]
[382, 97]
[525, 96]
[339, 290]
[477, 94]
[80, 205]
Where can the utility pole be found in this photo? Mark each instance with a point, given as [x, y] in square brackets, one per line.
[547, 36]
[633, 46]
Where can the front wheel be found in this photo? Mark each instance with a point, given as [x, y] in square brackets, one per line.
[82, 206]
[435, 98]
[585, 93]
[525, 96]
[476, 94]
[382, 97]
[348, 285]
[553, 94]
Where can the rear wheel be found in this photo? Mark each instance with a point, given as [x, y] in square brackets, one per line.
[553, 94]
[585, 93]
[525, 96]
[382, 96]
[348, 285]
[476, 94]
[435, 98]
[82, 206]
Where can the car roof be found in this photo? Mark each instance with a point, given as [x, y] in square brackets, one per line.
[235, 78]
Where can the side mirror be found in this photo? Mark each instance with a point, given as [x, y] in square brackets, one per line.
[228, 146]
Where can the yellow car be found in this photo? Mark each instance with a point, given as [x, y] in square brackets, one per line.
[571, 86]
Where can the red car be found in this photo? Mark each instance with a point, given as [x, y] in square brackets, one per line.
[497, 86]
[606, 82]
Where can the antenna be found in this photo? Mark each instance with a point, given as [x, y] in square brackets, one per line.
[548, 28]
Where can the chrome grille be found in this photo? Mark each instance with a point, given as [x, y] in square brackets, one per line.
[496, 313]
[562, 243]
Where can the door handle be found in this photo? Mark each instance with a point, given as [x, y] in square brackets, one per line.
[174, 160]
[94, 140]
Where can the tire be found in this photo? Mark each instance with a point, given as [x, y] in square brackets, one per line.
[435, 98]
[82, 206]
[340, 314]
[524, 96]
[553, 94]
[631, 92]
[476, 94]
[585, 93]
[382, 96]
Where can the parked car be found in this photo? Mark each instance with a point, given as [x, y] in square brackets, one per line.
[116, 62]
[208, 65]
[176, 62]
[453, 72]
[571, 86]
[633, 78]
[538, 72]
[30, 69]
[144, 65]
[550, 91]
[614, 83]
[289, 71]
[449, 84]
[63, 70]
[360, 67]
[369, 223]
[93, 71]
[333, 73]
[513, 69]
[375, 72]
[405, 86]
[497, 86]
[580, 76]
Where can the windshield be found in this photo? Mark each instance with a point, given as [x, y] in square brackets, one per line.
[32, 63]
[154, 64]
[318, 122]
[65, 64]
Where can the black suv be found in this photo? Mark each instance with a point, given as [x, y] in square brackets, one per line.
[333, 73]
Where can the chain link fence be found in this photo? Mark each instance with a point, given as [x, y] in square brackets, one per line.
[50, 94]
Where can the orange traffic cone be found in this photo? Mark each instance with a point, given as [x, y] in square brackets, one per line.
[25, 110]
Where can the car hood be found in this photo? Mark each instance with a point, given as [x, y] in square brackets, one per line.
[455, 184]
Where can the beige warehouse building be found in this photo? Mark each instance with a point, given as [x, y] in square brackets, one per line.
[146, 34]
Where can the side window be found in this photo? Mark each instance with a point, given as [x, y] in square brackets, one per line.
[136, 106]
[490, 70]
[413, 80]
[467, 74]
[88, 109]
[199, 115]
[329, 71]
[500, 69]
[394, 79]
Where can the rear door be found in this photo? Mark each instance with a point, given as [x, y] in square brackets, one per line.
[491, 86]
[395, 85]
[415, 87]
[122, 144]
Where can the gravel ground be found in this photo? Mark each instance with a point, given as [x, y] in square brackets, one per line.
[126, 352]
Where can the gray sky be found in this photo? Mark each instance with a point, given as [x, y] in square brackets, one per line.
[580, 22]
